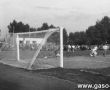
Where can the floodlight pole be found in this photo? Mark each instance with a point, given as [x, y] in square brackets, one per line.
[13, 35]
[61, 47]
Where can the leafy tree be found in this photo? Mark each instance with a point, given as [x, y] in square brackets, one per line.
[65, 37]
[16, 27]
[33, 29]
[45, 26]
[12, 26]
[99, 33]
[70, 38]
[77, 38]
[51, 26]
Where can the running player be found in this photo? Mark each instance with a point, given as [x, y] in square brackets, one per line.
[94, 51]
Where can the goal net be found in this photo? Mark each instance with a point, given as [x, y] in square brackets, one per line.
[37, 50]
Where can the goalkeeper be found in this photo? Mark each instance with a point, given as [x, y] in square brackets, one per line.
[94, 51]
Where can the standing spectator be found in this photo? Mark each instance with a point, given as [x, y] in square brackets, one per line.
[73, 48]
[69, 48]
[105, 48]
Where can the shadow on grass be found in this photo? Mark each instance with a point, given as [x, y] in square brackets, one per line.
[75, 75]
[6, 85]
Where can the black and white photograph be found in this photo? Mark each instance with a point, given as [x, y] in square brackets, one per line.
[54, 44]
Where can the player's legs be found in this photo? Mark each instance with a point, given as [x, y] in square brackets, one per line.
[91, 54]
[95, 53]
[104, 52]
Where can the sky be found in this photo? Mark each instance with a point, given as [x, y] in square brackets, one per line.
[74, 15]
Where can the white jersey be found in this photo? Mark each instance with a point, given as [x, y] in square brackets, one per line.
[73, 46]
[95, 48]
[69, 46]
[105, 47]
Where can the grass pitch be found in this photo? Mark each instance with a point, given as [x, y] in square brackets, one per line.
[78, 59]
[77, 69]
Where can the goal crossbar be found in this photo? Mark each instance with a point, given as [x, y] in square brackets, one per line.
[49, 30]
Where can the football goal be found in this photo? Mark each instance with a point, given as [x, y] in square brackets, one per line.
[37, 50]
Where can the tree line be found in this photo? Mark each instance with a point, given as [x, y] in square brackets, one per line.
[17, 27]
[94, 35]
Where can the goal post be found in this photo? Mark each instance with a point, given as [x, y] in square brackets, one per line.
[17, 42]
[44, 44]
[61, 47]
